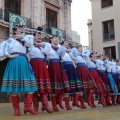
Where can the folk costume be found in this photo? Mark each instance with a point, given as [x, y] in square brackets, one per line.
[103, 74]
[18, 76]
[109, 65]
[37, 61]
[58, 78]
[100, 87]
[73, 77]
[87, 81]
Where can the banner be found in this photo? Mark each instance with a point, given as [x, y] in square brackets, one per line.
[15, 19]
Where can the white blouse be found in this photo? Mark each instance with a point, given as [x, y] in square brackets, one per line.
[50, 52]
[76, 56]
[118, 69]
[89, 63]
[35, 52]
[100, 65]
[15, 46]
[108, 65]
[114, 67]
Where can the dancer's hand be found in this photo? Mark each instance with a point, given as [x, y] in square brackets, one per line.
[13, 56]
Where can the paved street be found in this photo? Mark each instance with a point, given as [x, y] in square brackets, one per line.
[99, 113]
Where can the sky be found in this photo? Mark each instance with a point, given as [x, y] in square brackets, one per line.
[81, 12]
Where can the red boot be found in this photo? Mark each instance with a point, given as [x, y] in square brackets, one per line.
[60, 97]
[82, 102]
[102, 100]
[28, 98]
[113, 100]
[92, 102]
[75, 100]
[66, 99]
[44, 101]
[118, 99]
[35, 101]
[15, 103]
[53, 100]
[90, 95]
[108, 98]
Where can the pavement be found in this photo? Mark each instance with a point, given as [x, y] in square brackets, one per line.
[98, 113]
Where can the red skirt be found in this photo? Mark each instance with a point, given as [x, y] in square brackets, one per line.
[42, 76]
[87, 81]
[100, 87]
[59, 80]
[117, 81]
[106, 81]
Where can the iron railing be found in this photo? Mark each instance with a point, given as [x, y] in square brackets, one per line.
[4, 15]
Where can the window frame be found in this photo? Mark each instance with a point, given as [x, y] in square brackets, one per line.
[106, 5]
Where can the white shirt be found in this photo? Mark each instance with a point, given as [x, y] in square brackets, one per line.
[100, 65]
[108, 65]
[36, 52]
[89, 63]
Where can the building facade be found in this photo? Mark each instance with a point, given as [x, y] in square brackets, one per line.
[106, 27]
[75, 37]
[43, 13]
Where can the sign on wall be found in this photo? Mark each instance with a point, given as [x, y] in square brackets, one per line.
[15, 19]
[58, 32]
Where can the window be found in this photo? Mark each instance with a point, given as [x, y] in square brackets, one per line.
[51, 18]
[110, 52]
[106, 3]
[108, 30]
[13, 6]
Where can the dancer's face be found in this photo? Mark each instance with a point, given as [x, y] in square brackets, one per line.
[55, 40]
[80, 49]
[66, 44]
[20, 31]
[38, 38]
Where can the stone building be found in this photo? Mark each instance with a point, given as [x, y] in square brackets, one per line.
[43, 13]
[106, 27]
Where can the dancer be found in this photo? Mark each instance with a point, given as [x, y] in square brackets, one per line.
[74, 80]
[109, 66]
[102, 73]
[88, 83]
[37, 60]
[18, 76]
[58, 78]
[100, 87]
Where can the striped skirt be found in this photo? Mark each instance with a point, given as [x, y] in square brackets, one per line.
[73, 77]
[105, 80]
[18, 77]
[58, 78]
[87, 80]
[100, 87]
[112, 82]
[41, 75]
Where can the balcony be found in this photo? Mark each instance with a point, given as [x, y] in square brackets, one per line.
[4, 15]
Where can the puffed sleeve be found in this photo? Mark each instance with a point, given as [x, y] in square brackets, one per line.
[86, 53]
[61, 50]
[74, 53]
[28, 39]
[47, 48]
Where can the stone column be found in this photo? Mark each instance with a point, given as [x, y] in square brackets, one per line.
[67, 18]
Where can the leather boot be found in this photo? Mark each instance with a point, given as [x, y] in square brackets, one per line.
[66, 99]
[75, 100]
[113, 100]
[92, 102]
[45, 105]
[60, 97]
[15, 103]
[118, 99]
[108, 98]
[82, 102]
[102, 100]
[28, 99]
[35, 101]
[53, 100]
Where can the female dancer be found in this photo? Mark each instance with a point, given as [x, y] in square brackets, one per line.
[37, 60]
[109, 66]
[58, 78]
[18, 76]
[87, 81]
[100, 87]
[102, 73]
[73, 77]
